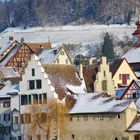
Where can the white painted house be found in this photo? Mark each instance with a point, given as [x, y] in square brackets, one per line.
[40, 83]
[9, 112]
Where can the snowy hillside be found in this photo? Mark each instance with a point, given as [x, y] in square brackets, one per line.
[86, 34]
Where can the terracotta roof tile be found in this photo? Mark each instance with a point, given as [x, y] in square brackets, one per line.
[36, 46]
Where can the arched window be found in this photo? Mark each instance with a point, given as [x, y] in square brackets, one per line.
[104, 85]
[116, 138]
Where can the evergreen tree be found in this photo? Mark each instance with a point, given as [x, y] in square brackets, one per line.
[107, 48]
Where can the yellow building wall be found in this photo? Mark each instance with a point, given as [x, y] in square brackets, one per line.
[62, 58]
[104, 74]
[124, 69]
[101, 126]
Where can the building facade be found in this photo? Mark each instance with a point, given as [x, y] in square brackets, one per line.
[104, 81]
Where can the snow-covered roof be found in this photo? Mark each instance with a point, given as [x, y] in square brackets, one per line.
[8, 89]
[137, 73]
[138, 103]
[133, 55]
[119, 91]
[48, 56]
[10, 54]
[137, 82]
[5, 46]
[135, 126]
[77, 89]
[95, 103]
[9, 72]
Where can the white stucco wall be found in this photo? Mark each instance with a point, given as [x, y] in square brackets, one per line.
[24, 90]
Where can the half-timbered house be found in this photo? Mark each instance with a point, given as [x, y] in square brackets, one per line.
[132, 92]
[18, 54]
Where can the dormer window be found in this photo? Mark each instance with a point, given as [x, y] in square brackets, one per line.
[104, 74]
[55, 51]
[33, 72]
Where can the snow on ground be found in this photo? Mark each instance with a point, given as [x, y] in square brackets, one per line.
[66, 34]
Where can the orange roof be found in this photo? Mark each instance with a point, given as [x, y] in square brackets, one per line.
[36, 46]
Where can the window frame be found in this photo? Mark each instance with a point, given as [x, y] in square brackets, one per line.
[38, 84]
[31, 87]
[33, 71]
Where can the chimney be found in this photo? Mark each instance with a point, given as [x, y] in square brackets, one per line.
[90, 61]
[103, 60]
[81, 70]
[22, 40]
[11, 38]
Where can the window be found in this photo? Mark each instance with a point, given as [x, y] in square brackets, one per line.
[29, 137]
[116, 138]
[19, 138]
[7, 129]
[40, 98]
[27, 118]
[38, 137]
[43, 117]
[44, 98]
[57, 60]
[35, 98]
[120, 76]
[67, 61]
[118, 116]
[72, 136]
[70, 118]
[101, 117]
[6, 117]
[16, 120]
[38, 84]
[104, 74]
[104, 85]
[85, 117]
[6, 104]
[77, 117]
[23, 99]
[33, 72]
[134, 95]
[21, 119]
[127, 76]
[31, 84]
[35, 84]
[29, 99]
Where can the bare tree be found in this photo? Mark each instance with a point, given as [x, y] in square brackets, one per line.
[50, 117]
